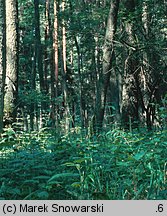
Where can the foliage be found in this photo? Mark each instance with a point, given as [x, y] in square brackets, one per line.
[114, 165]
[67, 160]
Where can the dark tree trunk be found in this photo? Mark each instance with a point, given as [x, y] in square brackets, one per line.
[2, 59]
[39, 58]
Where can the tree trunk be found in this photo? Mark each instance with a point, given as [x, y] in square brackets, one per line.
[10, 105]
[2, 58]
[47, 46]
[132, 94]
[81, 99]
[108, 54]
[54, 71]
[33, 104]
[39, 59]
[64, 73]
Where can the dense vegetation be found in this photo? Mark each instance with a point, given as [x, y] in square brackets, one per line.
[114, 165]
[83, 99]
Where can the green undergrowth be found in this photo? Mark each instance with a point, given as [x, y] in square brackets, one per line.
[113, 165]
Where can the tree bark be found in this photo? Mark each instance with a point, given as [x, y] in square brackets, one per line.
[39, 59]
[10, 105]
[2, 58]
[64, 73]
[108, 57]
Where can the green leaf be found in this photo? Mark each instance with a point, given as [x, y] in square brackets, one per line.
[139, 155]
[63, 175]
[41, 177]
[54, 183]
[31, 181]
[76, 184]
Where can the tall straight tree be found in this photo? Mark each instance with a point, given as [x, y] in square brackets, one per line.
[64, 69]
[47, 44]
[108, 57]
[2, 59]
[54, 69]
[38, 52]
[55, 44]
[10, 103]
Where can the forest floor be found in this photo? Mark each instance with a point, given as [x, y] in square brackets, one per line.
[114, 165]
